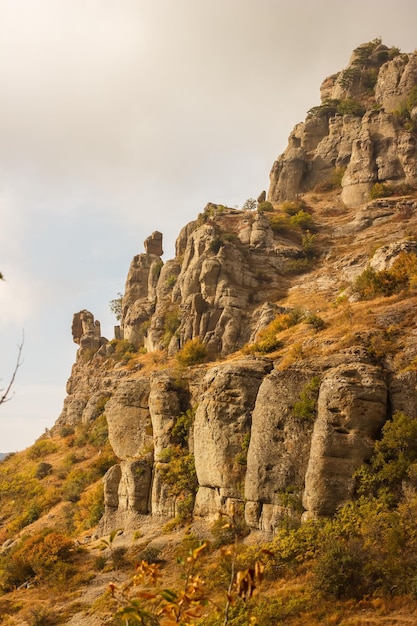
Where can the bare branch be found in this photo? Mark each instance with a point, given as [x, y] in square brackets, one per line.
[4, 394]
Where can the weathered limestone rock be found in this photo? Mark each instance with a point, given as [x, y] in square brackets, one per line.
[352, 408]
[230, 271]
[138, 300]
[135, 486]
[374, 147]
[86, 332]
[278, 451]
[164, 407]
[220, 283]
[395, 80]
[153, 244]
[129, 420]
[221, 431]
[385, 256]
[403, 392]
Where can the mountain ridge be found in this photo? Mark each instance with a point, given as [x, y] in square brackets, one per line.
[252, 376]
[227, 292]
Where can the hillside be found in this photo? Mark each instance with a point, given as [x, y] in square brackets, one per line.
[260, 392]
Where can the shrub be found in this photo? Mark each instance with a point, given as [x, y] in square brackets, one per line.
[66, 431]
[194, 351]
[100, 563]
[156, 269]
[241, 457]
[351, 107]
[299, 266]
[267, 340]
[303, 221]
[181, 428]
[170, 281]
[315, 321]
[215, 244]
[292, 207]
[45, 556]
[74, 485]
[43, 470]
[403, 113]
[179, 471]
[123, 349]
[172, 322]
[98, 431]
[394, 458]
[41, 616]
[305, 407]
[90, 508]
[280, 223]
[339, 569]
[401, 275]
[41, 449]
[265, 207]
[380, 190]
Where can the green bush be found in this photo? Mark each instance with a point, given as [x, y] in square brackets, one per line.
[194, 351]
[215, 244]
[123, 349]
[172, 322]
[41, 449]
[74, 485]
[181, 428]
[280, 223]
[265, 207]
[303, 221]
[351, 107]
[292, 207]
[305, 407]
[394, 459]
[170, 281]
[267, 340]
[315, 321]
[179, 471]
[242, 456]
[98, 431]
[339, 569]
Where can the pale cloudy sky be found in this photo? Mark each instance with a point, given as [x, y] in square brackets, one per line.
[121, 117]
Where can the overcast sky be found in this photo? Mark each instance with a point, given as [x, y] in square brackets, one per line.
[121, 117]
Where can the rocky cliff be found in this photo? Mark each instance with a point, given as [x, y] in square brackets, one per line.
[363, 131]
[253, 372]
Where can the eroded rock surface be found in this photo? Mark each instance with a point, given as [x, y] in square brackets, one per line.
[234, 273]
[355, 129]
[351, 410]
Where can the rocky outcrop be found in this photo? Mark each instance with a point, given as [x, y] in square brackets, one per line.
[355, 130]
[153, 244]
[86, 332]
[278, 451]
[222, 428]
[231, 262]
[229, 434]
[351, 410]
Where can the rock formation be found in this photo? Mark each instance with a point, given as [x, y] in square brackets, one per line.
[362, 131]
[287, 405]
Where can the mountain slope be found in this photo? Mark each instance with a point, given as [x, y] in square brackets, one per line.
[261, 376]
